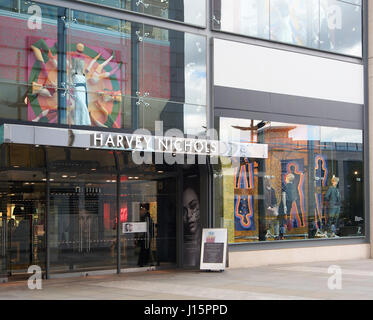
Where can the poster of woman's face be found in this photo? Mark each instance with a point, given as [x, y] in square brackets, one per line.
[191, 213]
[191, 221]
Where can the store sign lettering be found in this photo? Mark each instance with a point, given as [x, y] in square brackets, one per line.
[154, 143]
[169, 147]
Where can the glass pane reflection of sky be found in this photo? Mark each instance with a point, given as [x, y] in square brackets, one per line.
[240, 130]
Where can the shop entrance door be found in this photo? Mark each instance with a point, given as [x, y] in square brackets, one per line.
[22, 228]
[148, 219]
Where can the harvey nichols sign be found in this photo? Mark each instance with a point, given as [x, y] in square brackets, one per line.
[171, 147]
[176, 145]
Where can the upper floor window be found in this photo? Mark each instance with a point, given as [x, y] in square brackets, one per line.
[329, 25]
[188, 11]
[67, 67]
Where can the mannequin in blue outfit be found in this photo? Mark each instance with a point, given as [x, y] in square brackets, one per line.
[333, 197]
[82, 117]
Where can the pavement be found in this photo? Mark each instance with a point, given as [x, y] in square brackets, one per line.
[308, 281]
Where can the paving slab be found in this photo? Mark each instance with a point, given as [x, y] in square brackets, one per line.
[306, 281]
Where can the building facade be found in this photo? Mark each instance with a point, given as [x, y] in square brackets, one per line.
[114, 116]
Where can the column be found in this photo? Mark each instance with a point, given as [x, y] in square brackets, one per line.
[370, 63]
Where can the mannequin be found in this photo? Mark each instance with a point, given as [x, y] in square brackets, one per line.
[288, 197]
[271, 209]
[321, 174]
[81, 96]
[297, 178]
[333, 196]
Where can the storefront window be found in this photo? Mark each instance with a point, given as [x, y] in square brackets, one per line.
[82, 69]
[310, 186]
[329, 25]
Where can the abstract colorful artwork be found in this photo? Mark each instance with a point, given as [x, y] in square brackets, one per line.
[243, 203]
[93, 79]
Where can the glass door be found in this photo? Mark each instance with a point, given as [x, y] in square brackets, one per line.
[82, 234]
[25, 217]
[148, 220]
[22, 226]
[22, 210]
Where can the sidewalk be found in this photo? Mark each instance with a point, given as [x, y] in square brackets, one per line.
[301, 281]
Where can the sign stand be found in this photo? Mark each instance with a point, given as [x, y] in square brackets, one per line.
[214, 250]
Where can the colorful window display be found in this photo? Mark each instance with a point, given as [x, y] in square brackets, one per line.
[95, 94]
[72, 68]
[310, 185]
[245, 224]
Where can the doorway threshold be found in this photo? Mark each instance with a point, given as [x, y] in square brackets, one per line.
[105, 272]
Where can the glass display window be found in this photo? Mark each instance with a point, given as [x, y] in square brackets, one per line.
[84, 69]
[309, 187]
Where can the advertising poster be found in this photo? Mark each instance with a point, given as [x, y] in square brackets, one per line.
[191, 220]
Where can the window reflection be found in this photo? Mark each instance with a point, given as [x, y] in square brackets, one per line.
[247, 17]
[195, 69]
[329, 25]
[27, 61]
[110, 3]
[357, 2]
[309, 187]
[295, 22]
[341, 29]
[174, 65]
[188, 11]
